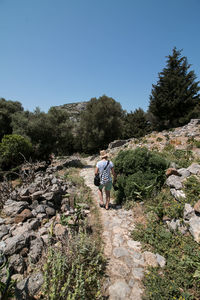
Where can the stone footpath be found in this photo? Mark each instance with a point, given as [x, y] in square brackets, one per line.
[126, 261]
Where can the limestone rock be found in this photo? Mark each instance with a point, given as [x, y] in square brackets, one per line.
[36, 248]
[171, 171]
[29, 286]
[23, 216]
[177, 194]
[18, 263]
[3, 230]
[194, 229]
[184, 173]
[138, 273]
[119, 290]
[161, 260]
[194, 168]
[174, 181]
[188, 211]
[117, 143]
[15, 244]
[150, 259]
[197, 206]
[11, 207]
[60, 230]
[119, 252]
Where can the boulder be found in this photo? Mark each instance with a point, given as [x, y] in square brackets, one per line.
[174, 181]
[119, 290]
[188, 212]
[2, 221]
[36, 247]
[23, 216]
[60, 230]
[50, 211]
[117, 143]
[24, 192]
[3, 230]
[171, 171]
[173, 224]
[194, 228]
[20, 229]
[150, 259]
[29, 287]
[197, 207]
[184, 173]
[177, 194]
[161, 260]
[11, 207]
[18, 264]
[37, 195]
[48, 196]
[194, 169]
[41, 209]
[15, 244]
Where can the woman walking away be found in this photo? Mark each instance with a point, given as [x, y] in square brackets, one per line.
[104, 167]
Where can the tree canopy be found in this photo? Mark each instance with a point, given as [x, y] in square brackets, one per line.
[175, 95]
[100, 124]
[48, 132]
[7, 109]
[135, 124]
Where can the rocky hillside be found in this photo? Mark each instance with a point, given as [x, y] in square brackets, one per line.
[73, 109]
[181, 138]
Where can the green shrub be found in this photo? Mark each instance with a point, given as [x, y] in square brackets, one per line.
[197, 144]
[140, 173]
[13, 149]
[192, 189]
[165, 205]
[180, 277]
[182, 158]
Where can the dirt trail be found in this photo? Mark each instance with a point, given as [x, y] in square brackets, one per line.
[126, 262]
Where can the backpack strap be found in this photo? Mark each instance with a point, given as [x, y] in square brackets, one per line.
[107, 165]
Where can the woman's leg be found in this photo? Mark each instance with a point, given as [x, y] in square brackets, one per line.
[100, 192]
[107, 198]
[107, 190]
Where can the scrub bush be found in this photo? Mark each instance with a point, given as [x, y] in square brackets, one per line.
[140, 174]
[13, 149]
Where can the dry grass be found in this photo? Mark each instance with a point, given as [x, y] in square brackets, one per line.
[138, 214]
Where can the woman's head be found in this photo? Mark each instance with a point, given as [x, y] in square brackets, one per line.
[103, 154]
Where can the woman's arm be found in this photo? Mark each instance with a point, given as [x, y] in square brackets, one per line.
[96, 171]
[114, 174]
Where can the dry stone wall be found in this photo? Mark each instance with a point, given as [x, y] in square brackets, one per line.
[30, 212]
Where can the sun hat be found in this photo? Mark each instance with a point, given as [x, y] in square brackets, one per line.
[103, 154]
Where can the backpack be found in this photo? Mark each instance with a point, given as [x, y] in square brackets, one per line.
[97, 180]
[105, 176]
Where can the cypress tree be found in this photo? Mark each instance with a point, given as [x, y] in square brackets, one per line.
[175, 96]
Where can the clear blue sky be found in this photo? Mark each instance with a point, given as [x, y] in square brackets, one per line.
[54, 52]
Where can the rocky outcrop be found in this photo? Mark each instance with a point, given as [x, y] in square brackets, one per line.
[191, 215]
[73, 109]
[178, 137]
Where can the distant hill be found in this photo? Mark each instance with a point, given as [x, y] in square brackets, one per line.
[74, 109]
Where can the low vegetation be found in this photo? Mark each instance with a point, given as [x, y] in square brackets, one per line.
[75, 272]
[180, 278]
[74, 268]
